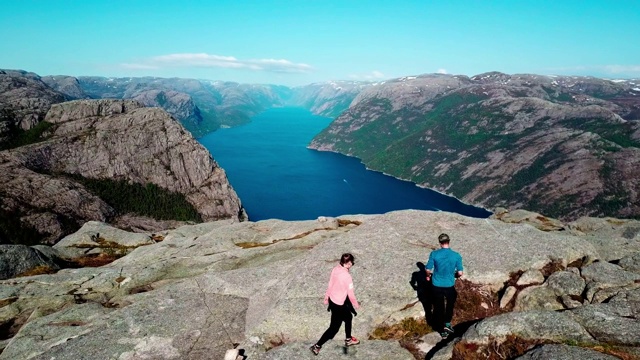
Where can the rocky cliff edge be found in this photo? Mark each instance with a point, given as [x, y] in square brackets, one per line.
[201, 290]
[108, 139]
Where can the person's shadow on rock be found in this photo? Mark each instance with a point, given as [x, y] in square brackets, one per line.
[424, 291]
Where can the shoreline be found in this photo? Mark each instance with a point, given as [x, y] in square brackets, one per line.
[401, 179]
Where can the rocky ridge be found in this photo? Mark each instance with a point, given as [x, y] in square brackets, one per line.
[24, 101]
[201, 290]
[203, 106]
[118, 140]
[565, 146]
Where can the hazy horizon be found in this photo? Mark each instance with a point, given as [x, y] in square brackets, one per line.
[300, 43]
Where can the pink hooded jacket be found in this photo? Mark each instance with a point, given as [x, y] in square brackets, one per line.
[340, 286]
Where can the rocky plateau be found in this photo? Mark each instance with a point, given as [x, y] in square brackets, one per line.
[556, 290]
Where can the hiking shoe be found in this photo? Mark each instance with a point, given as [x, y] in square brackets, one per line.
[448, 328]
[444, 334]
[315, 349]
[351, 341]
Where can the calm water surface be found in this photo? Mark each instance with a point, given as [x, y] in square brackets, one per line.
[276, 176]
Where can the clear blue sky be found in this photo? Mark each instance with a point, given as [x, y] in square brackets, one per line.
[297, 42]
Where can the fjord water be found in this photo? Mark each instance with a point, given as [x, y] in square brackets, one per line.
[276, 176]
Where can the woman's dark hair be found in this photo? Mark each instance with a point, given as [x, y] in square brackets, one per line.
[345, 258]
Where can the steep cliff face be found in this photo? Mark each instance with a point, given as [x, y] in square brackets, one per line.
[565, 146]
[119, 140]
[24, 101]
[203, 106]
[328, 99]
[179, 105]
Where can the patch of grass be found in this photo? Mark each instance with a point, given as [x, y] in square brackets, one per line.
[407, 332]
[141, 289]
[553, 266]
[614, 350]
[252, 244]
[8, 301]
[92, 260]
[275, 340]
[578, 263]
[407, 328]
[344, 222]
[474, 302]
[38, 270]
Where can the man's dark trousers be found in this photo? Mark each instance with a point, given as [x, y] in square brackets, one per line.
[444, 298]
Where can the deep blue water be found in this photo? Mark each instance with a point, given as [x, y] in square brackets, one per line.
[276, 176]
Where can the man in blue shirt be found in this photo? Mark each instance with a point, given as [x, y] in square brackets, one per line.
[443, 267]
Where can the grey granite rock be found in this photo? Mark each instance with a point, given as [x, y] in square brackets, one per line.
[530, 277]
[183, 321]
[539, 297]
[566, 283]
[605, 280]
[631, 263]
[533, 325]
[564, 352]
[615, 322]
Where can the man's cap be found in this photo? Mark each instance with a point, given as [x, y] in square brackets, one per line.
[443, 238]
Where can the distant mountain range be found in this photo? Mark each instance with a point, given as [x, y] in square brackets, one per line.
[558, 145]
[561, 145]
[203, 106]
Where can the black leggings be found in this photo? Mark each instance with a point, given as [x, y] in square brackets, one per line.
[339, 313]
[442, 313]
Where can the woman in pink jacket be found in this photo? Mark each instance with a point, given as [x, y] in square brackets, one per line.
[342, 302]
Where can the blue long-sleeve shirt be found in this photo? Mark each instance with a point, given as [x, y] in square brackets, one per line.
[444, 263]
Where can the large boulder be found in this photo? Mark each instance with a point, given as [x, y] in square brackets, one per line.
[530, 325]
[566, 283]
[605, 280]
[616, 322]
